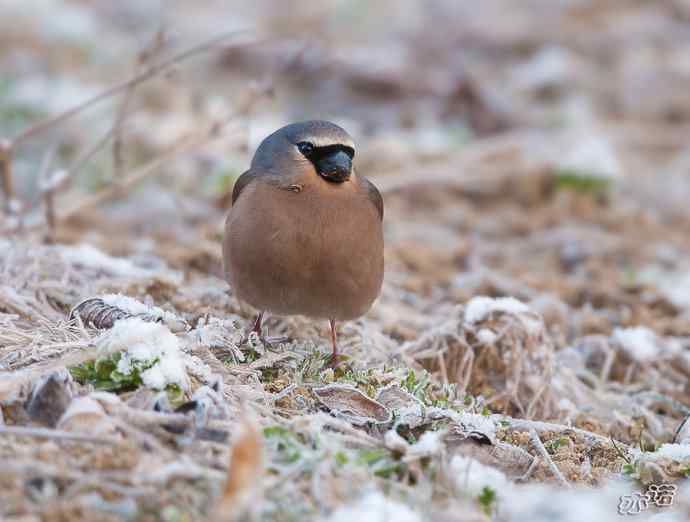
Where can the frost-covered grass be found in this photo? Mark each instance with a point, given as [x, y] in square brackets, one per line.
[528, 357]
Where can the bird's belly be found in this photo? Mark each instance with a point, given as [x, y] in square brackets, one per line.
[306, 262]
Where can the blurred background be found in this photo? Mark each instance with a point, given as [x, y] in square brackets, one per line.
[494, 129]
[535, 149]
[523, 147]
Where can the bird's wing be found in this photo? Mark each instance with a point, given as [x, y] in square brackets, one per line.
[374, 195]
[244, 180]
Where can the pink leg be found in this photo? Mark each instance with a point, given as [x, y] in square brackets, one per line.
[268, 341]
[334, 341]
[257, 323]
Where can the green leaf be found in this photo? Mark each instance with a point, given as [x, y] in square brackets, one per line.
[629, 469]
[582, 182]
[341, 458]
[371, 456]
[486, 499]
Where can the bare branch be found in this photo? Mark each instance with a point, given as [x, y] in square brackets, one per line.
[6, 174]
[150, 72]
[536, 441]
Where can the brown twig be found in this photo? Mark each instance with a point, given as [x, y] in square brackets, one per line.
[680, 428]
[536, 441]
[6, 174]
[150, 51]
[116, 190]
[150, 72]
[47, 190]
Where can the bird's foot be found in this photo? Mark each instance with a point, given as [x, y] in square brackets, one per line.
[334, 361]
[269, 342]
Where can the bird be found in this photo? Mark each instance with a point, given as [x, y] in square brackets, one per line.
[304, 234]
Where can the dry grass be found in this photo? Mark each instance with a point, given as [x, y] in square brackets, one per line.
[520, 154]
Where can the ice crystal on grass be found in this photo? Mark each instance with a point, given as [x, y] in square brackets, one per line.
[136, 352]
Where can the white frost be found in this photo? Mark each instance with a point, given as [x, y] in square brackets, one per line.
[142, 343]
[486, 336]
[135, 307]
[428, 444]
[479, 423]
[592, 156]
[374, 507]
[678, 452]
[90, 257]
[480, 307]
[472, 476]
[639, 342]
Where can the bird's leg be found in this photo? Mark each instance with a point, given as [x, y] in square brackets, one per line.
[257, 323]
[334, 341]
[255, 329]
[268, 341]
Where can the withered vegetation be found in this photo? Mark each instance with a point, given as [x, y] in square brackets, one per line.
[529, 356]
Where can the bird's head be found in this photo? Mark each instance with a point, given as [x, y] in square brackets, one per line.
[318, 145]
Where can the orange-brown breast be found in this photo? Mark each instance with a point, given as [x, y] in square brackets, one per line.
[315, 251]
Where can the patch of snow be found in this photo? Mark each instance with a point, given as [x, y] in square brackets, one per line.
[543, 503]
[395, 442]
[486, 336]
[674, 285]
[479, 423]
[429, 444]
[678, 452]
[471, 476]
[549, 66]
[374, 507]
[142, 343]
[481, 307]
[592, 156]
[639, 342]
[666, 517]
[134, 307]
[90, 257]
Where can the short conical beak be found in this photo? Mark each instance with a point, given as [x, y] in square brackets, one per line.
[335, 167]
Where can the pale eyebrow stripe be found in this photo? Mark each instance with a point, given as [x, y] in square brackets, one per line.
[323, 141]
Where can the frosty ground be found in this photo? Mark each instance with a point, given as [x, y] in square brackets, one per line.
[529, 356]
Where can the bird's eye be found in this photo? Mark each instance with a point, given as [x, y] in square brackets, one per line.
[305, 147]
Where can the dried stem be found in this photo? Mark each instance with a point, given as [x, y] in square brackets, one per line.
[119, 189]
[536, 441]
[539, 427]
[150, 72]
[6, 174]
[150, 51]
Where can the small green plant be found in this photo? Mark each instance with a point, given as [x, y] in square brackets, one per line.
[176, 395]
[686, 471]
[487, 499]
[553, 444]
[102, 373]
[381, 462]
[341, 458]
[630, 469]
[428, 392]
[284, 443]
[581, 182]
